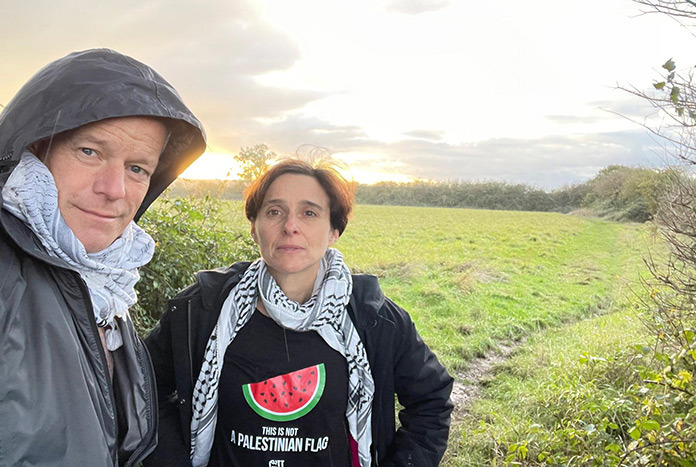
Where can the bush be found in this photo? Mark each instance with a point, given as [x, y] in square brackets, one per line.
[190, 234]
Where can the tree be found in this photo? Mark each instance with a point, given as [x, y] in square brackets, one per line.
[253, 162]
[668, 389]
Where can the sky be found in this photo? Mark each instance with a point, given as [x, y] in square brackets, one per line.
[523, 92]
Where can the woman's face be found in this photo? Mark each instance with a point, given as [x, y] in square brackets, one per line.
[293, 229]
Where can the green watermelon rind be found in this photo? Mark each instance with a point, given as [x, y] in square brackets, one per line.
[288, 417]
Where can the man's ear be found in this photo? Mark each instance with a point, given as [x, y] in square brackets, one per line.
[39, 149]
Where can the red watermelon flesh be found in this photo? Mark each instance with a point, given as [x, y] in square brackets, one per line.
[287, 397]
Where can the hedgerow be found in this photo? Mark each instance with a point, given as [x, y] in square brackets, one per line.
[191, 234]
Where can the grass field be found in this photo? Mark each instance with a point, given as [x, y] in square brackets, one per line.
[473, 279]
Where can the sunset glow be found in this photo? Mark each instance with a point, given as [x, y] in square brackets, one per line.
[222, 166]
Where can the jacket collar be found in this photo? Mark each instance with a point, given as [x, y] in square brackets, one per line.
[27, 240]
[216, 284]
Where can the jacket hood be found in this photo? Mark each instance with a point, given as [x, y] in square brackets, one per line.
[93, 85]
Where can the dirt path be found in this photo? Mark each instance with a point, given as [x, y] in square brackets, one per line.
[467, 384]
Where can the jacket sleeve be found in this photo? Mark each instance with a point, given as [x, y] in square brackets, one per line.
[423, 388]
[171, 449]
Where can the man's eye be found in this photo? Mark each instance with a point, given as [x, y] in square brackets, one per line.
[87, 151]
[273, 212]
[138, 170]
[310, 213]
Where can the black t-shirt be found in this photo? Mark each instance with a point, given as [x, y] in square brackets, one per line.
[282, 400]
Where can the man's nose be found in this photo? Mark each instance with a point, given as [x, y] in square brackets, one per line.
[110, 181]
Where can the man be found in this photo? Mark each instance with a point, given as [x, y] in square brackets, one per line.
[85, 146]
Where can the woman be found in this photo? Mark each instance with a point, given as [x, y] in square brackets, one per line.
[310, 379]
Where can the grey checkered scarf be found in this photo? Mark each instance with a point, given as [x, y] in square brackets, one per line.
[325, 312]
[30, 194]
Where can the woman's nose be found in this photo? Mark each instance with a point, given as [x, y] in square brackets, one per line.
[290, 224]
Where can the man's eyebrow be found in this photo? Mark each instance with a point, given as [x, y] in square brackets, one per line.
[90, 139]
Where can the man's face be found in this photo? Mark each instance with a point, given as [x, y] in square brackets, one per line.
[102, 172]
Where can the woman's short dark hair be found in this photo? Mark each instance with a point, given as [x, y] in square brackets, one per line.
[341, 193]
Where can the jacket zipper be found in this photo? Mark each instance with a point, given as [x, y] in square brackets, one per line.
[102, 353]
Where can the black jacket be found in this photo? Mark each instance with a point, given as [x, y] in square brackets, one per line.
[401, 364]
[58, 405]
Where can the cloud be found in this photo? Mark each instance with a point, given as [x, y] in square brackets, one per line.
[547, 162]
[425, 134]
[575, 119]
[212, 52]
[416, 7]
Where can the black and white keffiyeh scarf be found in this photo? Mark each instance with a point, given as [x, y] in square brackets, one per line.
[325, 312]
[111, 274]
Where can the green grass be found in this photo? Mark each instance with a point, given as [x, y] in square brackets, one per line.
[472, 278]
[545, 386]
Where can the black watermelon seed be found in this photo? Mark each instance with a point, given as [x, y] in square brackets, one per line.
[300, 399]
[265, 401]
[286, 405]
[282, 393]
[275, 400]
[312, 372]
[309, 382]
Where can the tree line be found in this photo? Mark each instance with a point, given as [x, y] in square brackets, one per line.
[617, 193]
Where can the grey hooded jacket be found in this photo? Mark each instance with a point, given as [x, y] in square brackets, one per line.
[58, 405]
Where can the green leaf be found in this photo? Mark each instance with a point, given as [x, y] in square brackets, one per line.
[669, 65]
[674, 94]
[613, 447]
[659, 85]
[634, 433]
[689, 334]
[650, 425]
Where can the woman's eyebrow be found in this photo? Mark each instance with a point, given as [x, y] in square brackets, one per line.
[312, 204]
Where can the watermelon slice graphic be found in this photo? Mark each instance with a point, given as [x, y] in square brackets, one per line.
[287, 397]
